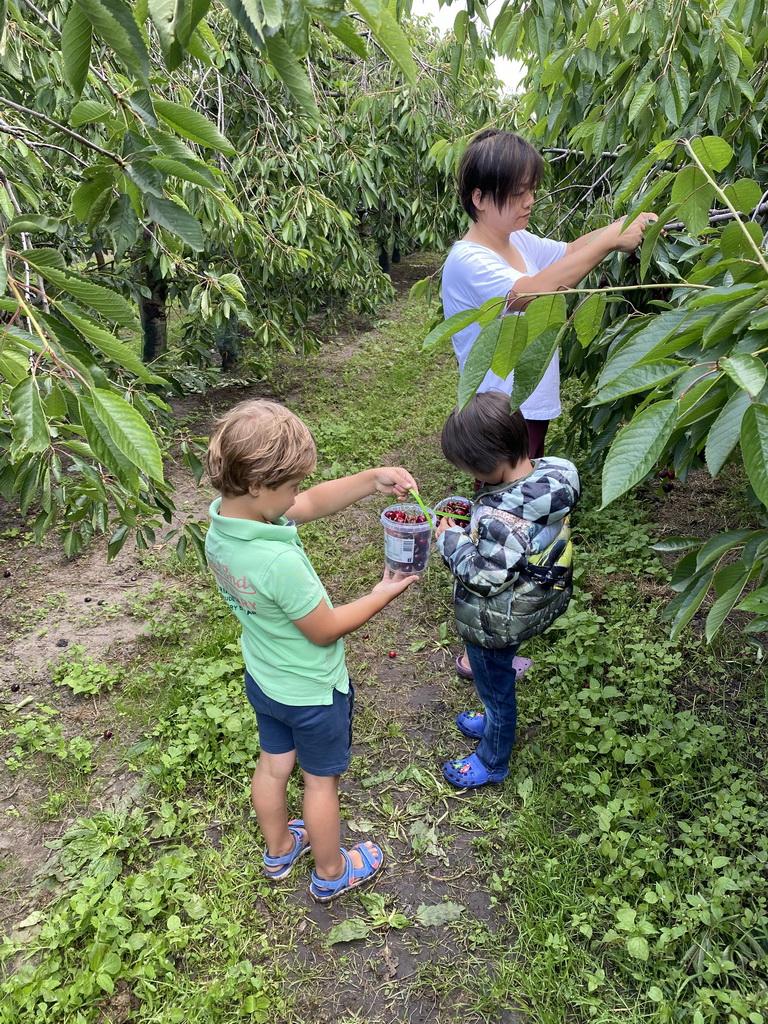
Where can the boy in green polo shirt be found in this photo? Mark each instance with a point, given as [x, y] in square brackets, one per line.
[296, 678]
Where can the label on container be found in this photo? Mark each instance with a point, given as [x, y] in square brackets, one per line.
[399, 549]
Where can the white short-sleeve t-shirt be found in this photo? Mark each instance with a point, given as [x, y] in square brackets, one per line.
[473, 274]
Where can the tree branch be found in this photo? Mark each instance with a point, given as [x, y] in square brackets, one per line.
[28, 112]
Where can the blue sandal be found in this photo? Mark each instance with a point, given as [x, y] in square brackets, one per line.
[326, 889]
[470, 772]
[280, 867]
[471, 723]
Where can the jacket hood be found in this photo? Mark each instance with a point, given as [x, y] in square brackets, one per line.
[545, 496]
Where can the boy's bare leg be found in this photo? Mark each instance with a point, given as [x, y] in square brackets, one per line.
[321, 816]
[268, 795]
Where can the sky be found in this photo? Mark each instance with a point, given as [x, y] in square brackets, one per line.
[443, 17]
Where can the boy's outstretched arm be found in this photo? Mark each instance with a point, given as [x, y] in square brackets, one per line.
[324, 625]
[333, 495]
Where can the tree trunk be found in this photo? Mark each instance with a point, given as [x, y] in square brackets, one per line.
[153, 313]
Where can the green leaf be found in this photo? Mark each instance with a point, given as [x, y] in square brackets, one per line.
[163, 14]
[129, 431]
[754, 448]
[388, 35]
[640, 378]
[117, 540]
[637, 448]
[188, 19]
[588, 318]
[88, 110]
[102, 446]
[532, 365]
[110, 346]
[346, 33]
[176, 220]
[734, 243]
[717, 546]
[651, 235]
[637, 947]
[676, 544]
[33, 222]
[694, 194]
[292, 74]
[197, 173]
[114, 22]
[29, 426]
[87, 192]
[714, 153]
[76, 36]
[439, 913]
[513, 337]
[349, 930]
[123, 224]
[103, 300]
[756, 602]
[660, 336]
[747, 371]
[640, 100]
[481, 314]
[725, 431]
[3, 269]
[146, 178]
[478, 362]
[192, 125]
[744, 195]
[545, 311]
[724, 604]
[140, 102]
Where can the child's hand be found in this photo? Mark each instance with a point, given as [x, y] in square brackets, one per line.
[444, 524]
[394, 480]
[394, 583]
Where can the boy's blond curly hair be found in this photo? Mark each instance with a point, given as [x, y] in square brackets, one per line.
[258, 443]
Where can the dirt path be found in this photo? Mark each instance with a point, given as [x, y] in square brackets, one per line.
[54, 610]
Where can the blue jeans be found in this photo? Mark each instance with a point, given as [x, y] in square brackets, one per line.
[494, 679]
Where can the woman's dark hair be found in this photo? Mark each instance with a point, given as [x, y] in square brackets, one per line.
[484, 434]
[501, 165]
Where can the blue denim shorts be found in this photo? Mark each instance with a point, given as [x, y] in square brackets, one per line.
[321, 734]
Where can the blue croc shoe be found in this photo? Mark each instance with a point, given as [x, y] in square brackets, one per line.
[471, 723]
[280, 867]
[470, 772]
[326, 889]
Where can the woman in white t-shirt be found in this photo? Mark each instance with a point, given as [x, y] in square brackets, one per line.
[498, 176]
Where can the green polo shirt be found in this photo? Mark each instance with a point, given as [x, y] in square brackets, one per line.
[267, 580]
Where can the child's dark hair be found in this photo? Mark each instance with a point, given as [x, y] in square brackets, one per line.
[501, 165]
[484, 434]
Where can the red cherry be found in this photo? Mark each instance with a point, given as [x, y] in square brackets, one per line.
[393, 654]
[108, 735]
[366, 636]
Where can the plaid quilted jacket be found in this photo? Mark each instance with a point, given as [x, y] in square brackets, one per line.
[512, 563]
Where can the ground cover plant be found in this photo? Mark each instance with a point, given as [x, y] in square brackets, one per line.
[620, 874]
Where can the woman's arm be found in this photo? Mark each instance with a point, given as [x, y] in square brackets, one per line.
[333, 495]
[581, 257]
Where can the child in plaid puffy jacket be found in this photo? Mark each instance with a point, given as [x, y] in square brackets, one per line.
[511, 566]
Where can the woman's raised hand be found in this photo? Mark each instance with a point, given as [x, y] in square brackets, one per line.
[629, 239]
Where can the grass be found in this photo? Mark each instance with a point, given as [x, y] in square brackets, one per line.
[619, 875]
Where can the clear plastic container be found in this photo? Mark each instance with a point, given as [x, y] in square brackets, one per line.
[456, 498]
[406, 545]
